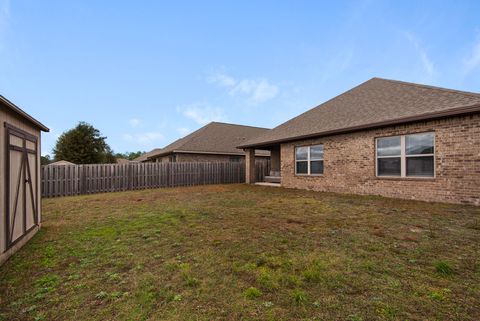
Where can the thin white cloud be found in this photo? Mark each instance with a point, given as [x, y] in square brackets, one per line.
[203, 113]
[427, 63]
[134, 122]
[183, 130]
[222, 80]
[472, 61]
[147, 139]
[263, 91]
[245, 86]
[256, 90]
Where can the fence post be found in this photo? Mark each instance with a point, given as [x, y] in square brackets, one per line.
[129, 177]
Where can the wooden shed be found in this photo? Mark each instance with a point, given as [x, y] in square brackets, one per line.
[20, 195]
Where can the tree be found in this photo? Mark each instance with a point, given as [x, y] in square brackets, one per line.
[129, 155]
[83, 145]
[45, 160]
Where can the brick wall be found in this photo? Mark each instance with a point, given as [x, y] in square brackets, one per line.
[349, 163]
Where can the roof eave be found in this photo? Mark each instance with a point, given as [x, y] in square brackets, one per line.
[194, 152]
[427, 116]
[19, 111]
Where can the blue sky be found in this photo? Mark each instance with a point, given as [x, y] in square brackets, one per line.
[148, 72]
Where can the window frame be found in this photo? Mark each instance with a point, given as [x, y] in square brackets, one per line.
[309, 160]
[403, 157]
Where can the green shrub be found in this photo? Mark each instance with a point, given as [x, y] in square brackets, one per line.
[116, 294]
[49, 280]
[299, 296]
[113, 276]
[443, 268]
[311, 275]
[267, 280]
[74, 277]
[439, 295]
[101, 295]
[190, 281]
[184, 267]
[291, 281]
[46, 284]
[252, 293]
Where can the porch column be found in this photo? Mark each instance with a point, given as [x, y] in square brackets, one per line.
[249, 165]
[275, 160]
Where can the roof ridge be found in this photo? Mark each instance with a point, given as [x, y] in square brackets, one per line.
[326, 101]
[189, 137]
[412, 84]
[316, 106]
[200, 138]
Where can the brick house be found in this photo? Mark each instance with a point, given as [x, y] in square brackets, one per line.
[383, 137]
[215, 142]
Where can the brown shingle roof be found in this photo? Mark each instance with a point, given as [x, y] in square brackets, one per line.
[214, 138]
[125, 161]
[144, 157]
[374, 103]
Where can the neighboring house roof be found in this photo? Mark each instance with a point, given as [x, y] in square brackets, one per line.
[7, 103]
[62, 163]
[125, 161]
[214, 138]
[144, 157]
[374, 103]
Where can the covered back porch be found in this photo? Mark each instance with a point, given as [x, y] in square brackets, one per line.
[274, 178]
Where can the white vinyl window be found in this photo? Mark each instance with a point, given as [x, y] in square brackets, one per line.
[406, 155]
[309, 160]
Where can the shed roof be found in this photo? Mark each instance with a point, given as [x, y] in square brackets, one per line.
[61, 163]
[214, 138]
[11, 106]
[375, 103]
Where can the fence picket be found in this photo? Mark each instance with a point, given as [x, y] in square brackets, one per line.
[58, 180]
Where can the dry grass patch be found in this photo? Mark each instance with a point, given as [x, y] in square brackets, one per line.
[237, 252]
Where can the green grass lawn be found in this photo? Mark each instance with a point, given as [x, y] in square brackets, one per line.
[238, 252]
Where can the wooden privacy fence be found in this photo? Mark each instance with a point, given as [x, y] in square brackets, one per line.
[60, 180]
[262, 169]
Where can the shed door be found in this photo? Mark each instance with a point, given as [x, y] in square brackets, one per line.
[21, 184]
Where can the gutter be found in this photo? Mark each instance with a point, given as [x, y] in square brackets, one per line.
[196, 152]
